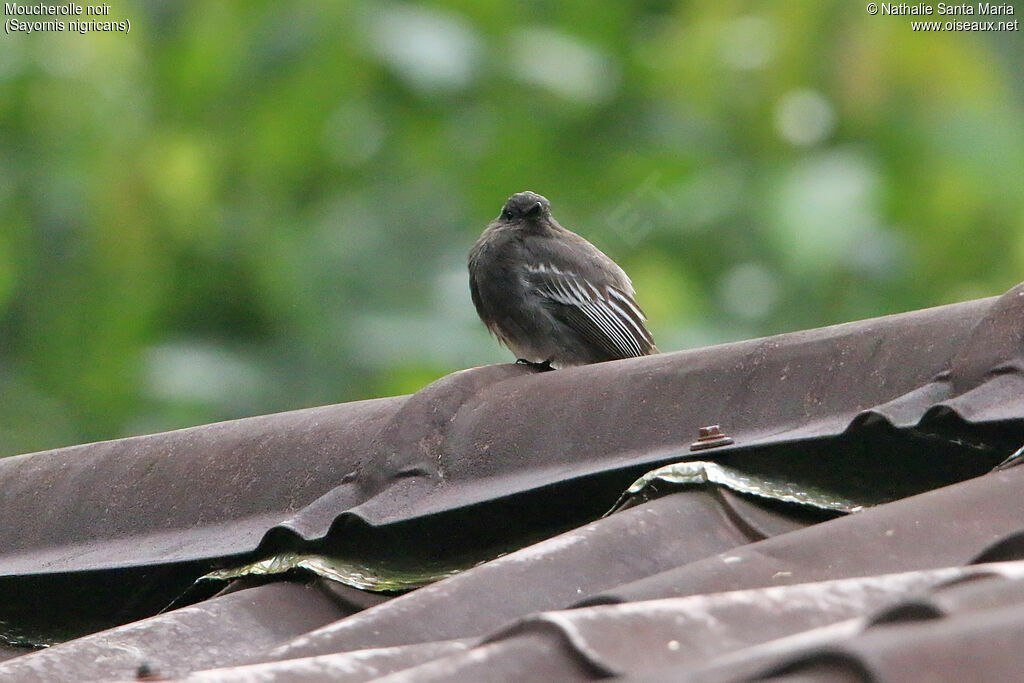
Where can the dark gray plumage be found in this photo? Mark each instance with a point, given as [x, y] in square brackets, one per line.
[549, 295]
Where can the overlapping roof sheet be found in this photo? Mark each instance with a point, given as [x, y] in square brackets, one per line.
[315, 544]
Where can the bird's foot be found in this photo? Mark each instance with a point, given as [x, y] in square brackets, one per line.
[540, 367]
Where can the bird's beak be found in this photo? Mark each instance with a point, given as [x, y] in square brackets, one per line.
[535, 210]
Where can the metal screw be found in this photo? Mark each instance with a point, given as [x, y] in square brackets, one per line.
[710, 437]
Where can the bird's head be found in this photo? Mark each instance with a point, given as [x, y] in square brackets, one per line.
[528, 206]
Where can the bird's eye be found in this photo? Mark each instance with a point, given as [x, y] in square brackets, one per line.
[506, 214]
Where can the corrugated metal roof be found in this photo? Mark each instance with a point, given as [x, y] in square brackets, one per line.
[396, 492]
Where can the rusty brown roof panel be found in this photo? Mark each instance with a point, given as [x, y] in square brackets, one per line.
[677, 636]
[967, 628]
[217, 632]
[194, 493]
[344, 667]
[951, 526]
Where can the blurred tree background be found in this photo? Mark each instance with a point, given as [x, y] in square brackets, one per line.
[246, 207]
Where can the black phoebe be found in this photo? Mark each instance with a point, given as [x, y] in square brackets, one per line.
[551, 296]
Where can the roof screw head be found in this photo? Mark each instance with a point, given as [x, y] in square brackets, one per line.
[711, 436]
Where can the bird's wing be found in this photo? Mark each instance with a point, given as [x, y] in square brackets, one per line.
[603, 315]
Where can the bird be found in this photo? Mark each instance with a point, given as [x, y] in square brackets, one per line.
[550, 296]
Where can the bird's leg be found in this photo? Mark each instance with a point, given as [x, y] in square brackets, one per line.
[541, 367]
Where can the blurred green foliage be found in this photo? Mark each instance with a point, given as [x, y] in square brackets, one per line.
[245, 207]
